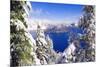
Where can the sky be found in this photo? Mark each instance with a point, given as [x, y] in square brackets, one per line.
[55, 13]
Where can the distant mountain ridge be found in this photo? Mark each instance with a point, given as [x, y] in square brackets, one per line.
[56, 28]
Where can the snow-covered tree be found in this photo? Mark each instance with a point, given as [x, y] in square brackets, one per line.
[44, 50]
[87, 24]
[21, 42]
[75, 53]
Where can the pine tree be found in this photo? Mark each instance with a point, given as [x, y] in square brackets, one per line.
[21, 46]
[87, 24]
[75, 53]
[44, 50]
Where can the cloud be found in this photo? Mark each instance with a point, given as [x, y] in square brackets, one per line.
[35, 13]
[32, 24]
[38, 13]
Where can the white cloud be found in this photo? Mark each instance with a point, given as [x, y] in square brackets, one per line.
[40, 11]
[32, 24]
[37, 11]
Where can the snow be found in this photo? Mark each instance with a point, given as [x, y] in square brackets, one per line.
[50, 41]
[68, 53]
[32, 41]
[36, 59]
[20, 25]
[41, 40]
[70, 49]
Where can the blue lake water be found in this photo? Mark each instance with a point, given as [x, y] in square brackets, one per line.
[60, 40]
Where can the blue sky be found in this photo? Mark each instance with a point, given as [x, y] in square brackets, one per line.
[57, 13]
